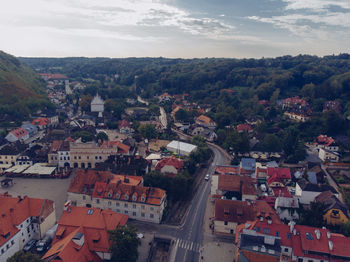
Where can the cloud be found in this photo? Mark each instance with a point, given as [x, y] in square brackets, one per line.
[316, 5]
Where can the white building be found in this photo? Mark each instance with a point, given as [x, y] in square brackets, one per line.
[23, 219]
[287, 208]
[181, 148]
[327, 155]
[97, 104]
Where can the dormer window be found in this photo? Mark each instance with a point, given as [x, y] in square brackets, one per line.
[143, 199]
[126, 197]
[134, 198]
[109, 194]
[117, 196]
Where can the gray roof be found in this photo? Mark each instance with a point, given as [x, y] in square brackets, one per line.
[181, 146]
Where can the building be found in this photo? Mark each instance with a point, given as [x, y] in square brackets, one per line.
[335, 212]
[332, 106]
[234, 187]
[181, 148]
[82, 235]
[124, 127]
[326, 142]
[227, 170]
[89, 154]
[205, 121]
[287, 208]
[247, 167]
[231, 213]
[41, 123]
[53, 152]
[169, 166]
[23, 219]
[19, 134]
[165, 97]
[307, 192]
[64, 154]
[97, 104]
[244, 128]
[31, 129]
[10, 153]
[205, 132]
[297, 243]
[328, 156]
[298, 117]
[122, 194]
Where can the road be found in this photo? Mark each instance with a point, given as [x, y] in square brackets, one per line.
[142, 101]
[188, 238]
[162, 118]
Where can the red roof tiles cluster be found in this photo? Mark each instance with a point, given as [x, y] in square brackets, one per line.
[15, 210]
[41, 121]
[204, 119]
[19, 132]
[325, 140]
[170, 161]
[82, 232]
[242, 184]
[122, 148]
[124, 123]
[244, 128]
[227, 170]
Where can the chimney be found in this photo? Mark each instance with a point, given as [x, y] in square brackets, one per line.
[66, 205]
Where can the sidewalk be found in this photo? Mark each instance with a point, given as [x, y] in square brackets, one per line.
[214, 249]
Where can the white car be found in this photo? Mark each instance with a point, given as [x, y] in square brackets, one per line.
[207, 176]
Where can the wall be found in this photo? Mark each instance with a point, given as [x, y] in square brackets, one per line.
[221, 228]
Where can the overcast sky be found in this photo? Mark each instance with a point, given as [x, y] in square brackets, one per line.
[174, 28]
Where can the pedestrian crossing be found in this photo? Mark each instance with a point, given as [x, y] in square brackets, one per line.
[189, 245]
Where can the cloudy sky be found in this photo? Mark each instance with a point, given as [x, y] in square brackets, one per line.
[174, 28]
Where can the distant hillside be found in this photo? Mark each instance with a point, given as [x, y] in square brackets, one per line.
[22, 91]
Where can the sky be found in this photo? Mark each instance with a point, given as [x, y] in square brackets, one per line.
[174, 28]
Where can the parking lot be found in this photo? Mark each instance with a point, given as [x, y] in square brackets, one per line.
[53, 189]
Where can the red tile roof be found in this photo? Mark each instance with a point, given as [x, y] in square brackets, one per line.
[228, 170]
[259, 257]
[170, 161]
[244, 185]
[204, 119]
[243, 211]
[244, 127]
[280, 172]
[15, 210]
[19, 132]
[41, 121]
[124, 123]
[122, 148]
[56, 144]
[85, 180]
[325, 140]
[93, 224]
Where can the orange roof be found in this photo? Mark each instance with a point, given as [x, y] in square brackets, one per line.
[91, 223]
[242, 184]
[204, 119]
[122, 148]
[228, 170]
[41, 121]
[170, 161]
[258, 257]
[56, 144]
[14, 210]
[19, 132]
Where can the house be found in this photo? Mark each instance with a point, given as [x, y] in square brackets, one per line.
[298, 243]
[97, 104]
[332, 106]
[227, 170]
[234, 187]
[19, 134]
[53, 153]
[295, 103]
[326, 142]
[247, 167]
[328, 156]
[170, 165]
[244, 128]
[231, 213]
[122, 194]
[41, 122]
[164, 97]
[278, 176]
[181, 148]
[31, 129]
[23, 219]
[10, 153]
[287, 208]
[124, 127]
[64, 154]
[307, 192]
[205, 132]
[32, 155]
[296, 116]
[205, 121]
[82, 235]
[335, 212]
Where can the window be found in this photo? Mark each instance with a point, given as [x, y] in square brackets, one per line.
[100, 157]
[134, 206]
[152, 208]
[143, 214]
[95, 157]
[84, 197]
[277, 234]
[117, 204]
[126, 211]
[79, 157]
[225, 223]
[97, 201]
[75, 157]
[118, 210]
[288, 235]
[12, 242]
[125, 205]
[2, 250]
[134, 214]
[109, 203]
[266, 230]
[151, 216]
[286, 249]
[142, 207]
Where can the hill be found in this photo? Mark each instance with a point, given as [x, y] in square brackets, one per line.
[22, 91]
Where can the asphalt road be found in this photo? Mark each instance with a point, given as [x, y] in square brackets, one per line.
[188, 238]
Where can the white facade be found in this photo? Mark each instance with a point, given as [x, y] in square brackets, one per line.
[63, 158]
[328, 156]
[287, 208]
[181, 147]
[97, 104]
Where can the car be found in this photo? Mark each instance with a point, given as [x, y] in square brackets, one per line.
[207, 176]
[30, 244]
[140, 235]
[43, 245]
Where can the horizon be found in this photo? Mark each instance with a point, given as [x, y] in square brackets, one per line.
[175, 28]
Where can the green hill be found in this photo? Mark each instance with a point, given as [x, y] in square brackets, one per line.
[22, 91]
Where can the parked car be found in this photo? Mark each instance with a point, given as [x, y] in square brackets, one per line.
[43, 245]
[30, 244]
[207, 176]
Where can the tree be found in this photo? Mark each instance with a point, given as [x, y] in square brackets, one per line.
[313, 216]
[148, 131]
[154, 110]
[85, 136]
[124, 244]
[182, 115]
[102, 136]
[22, 256]
[271, 143]
[85, 103]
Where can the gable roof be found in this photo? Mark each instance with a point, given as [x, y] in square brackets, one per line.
[227, 170]
[19, 132]
[91, 223]
[279, 172]
[242, 184]
[41, 121]
[170, 161]
[122, 148]
[330, 201]
[205, 119]
[15, 210]
[307, 186]
[124, 123]
[244, 127]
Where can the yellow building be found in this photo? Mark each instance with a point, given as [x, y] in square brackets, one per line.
[9, 155]
[335, 212]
